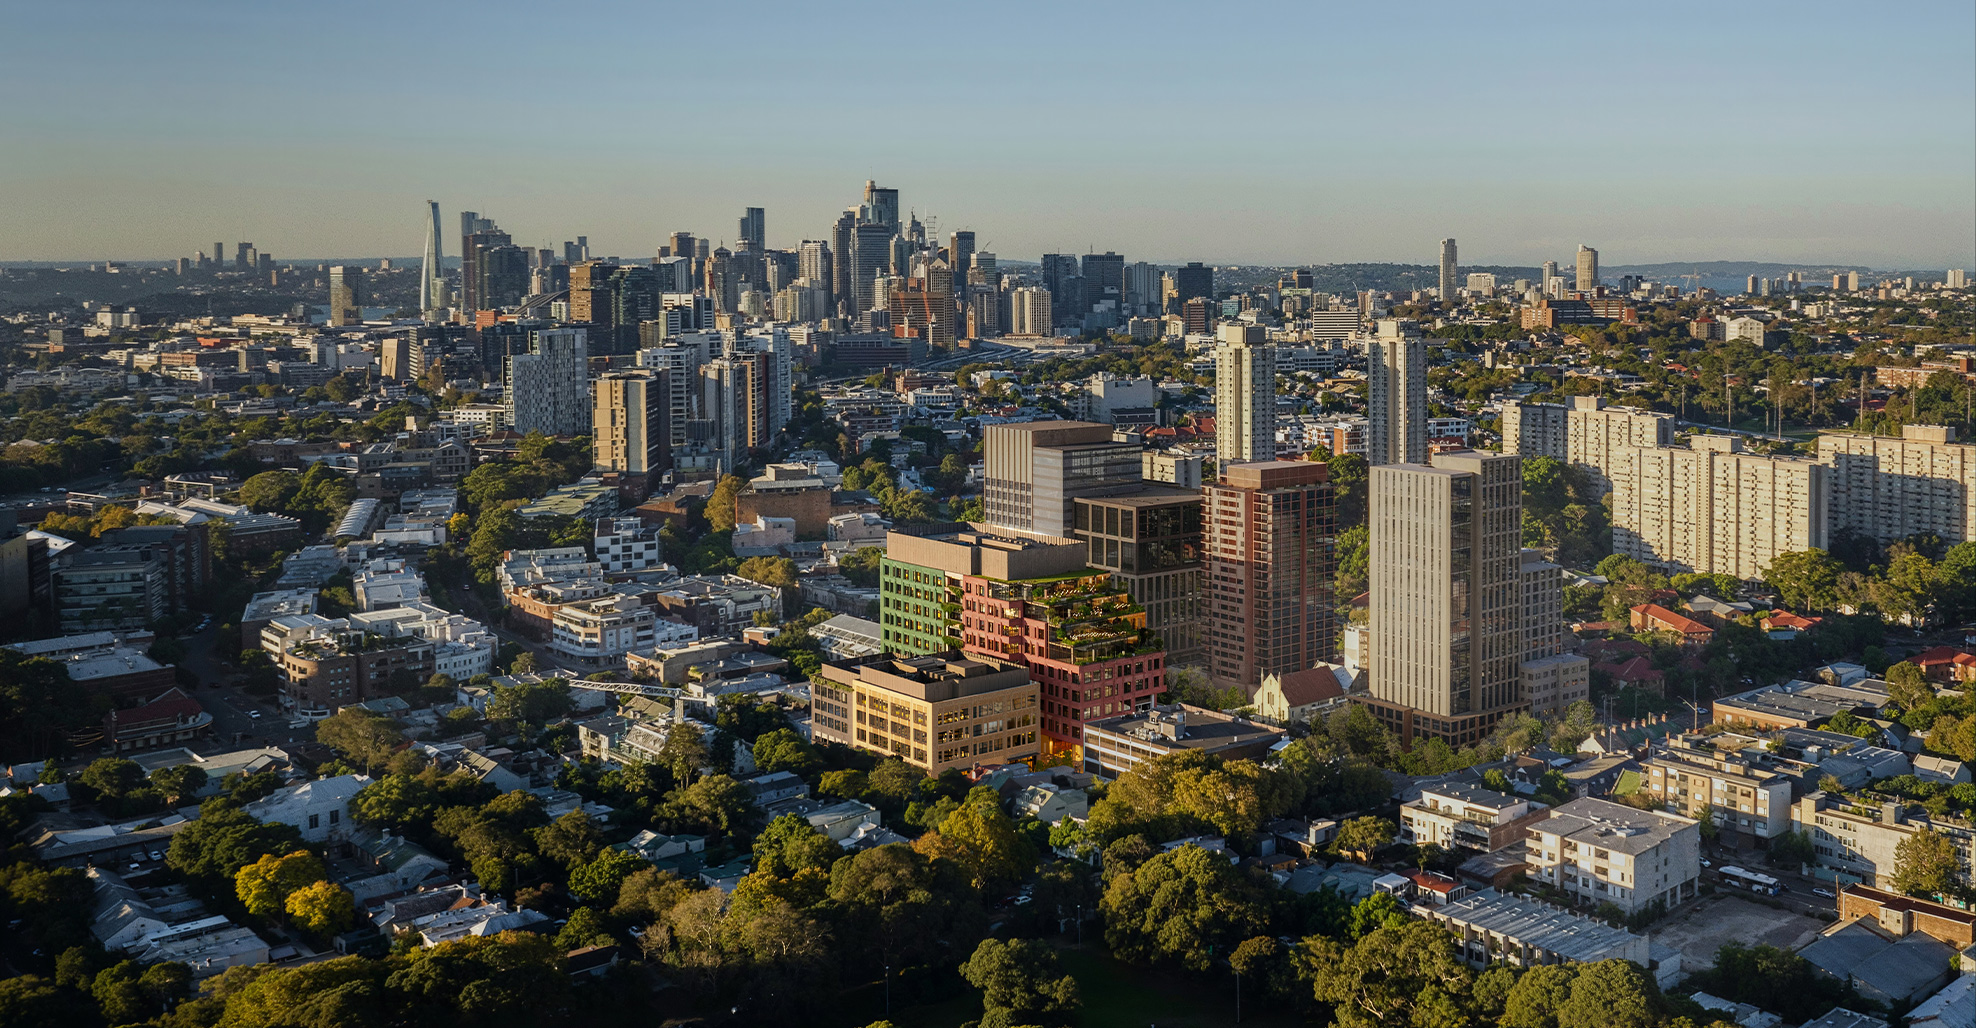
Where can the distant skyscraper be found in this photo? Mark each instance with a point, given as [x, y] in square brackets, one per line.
[753, 230]
[1269, 529]
[1029, 311]
[1396, 396]
[881, 205]
[681, 245]
[843, 239]
[1447, 271]
[1446, 606]
[871, 256]
[1065, 281]
[1550, 279]
[1104, 279]
[346, 295]
[1244, 395]
[432, 282]
[815, 261]
[1588, 268]
[960, 254]
[1195, 279]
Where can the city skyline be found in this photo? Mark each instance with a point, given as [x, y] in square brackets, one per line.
[1686, 146]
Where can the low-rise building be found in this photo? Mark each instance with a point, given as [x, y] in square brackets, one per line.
[847, 638]
[1115, 745]
[1297, 696]
[934, 712]
[1459, 815]
[1495, 927]
[1601, 852]
[320, 810]
[598, 633]
[1862, 841]
[625, 544]
[1689, 777]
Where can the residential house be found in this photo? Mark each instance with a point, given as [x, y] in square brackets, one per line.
[1461, 815]
[1297, 696]
[1601, 852]
[320, 810]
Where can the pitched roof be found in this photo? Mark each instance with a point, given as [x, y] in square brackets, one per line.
[1311, 685]
[1677, 622]
[1783, 619]
[1940, 655]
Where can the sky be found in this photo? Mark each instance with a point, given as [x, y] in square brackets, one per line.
[1273, 133]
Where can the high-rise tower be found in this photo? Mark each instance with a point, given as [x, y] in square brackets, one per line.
[1447, 271]
[1244, 395]
[1447, 624]
[1588, 268]
[431, 273]
[1396, 397]
[753, 230]
[346, 295]
[1269, 531]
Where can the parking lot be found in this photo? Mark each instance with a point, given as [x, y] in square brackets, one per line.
[1712, 922]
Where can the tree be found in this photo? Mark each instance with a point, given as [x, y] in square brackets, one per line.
[179, 783]
[1362, 835]
[982, 840]
[1925, 864]
[720, 504]
[1404, 976]
[265, 885]
[789, 845]
[1805, 579]
[1187, 906]
[716, 804]
[600, 879]
[784, 750]
[223, 839]
[1611, 994]
[848, 784]
[530, 703]
[684, 752]
[321, 909]
[779, 572]
[1538, 996]
[1020, 977]
[1908, 685]
[570, 840]
[366, 737]
[1792, 850]
[585, 927]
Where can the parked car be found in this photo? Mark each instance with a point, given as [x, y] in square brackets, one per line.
[1827, 893]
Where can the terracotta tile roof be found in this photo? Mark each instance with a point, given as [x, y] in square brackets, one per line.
[1312, 685]
[1675, 622]
[1784, 619]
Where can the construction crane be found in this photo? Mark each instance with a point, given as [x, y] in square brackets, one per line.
[1694, 279]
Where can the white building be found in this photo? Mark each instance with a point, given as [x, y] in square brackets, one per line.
[1396, 395]
[1245, 395]
[1601, 852]
[320, 810]
[548, 387]
[625, 544]
[600, 632]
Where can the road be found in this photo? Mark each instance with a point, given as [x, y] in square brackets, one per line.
[1797, 893]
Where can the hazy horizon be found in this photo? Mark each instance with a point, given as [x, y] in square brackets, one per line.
[1806, 133]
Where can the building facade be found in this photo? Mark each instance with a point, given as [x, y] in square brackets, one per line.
[1396, 394]
[1715, 509]
[1033, 472]
[548, 387]
[1446, 610]
[1690, 777]
[1244, 395]
[1269, 536]
[1888, 489]
[935, 711]
[1151, 543]
[1600, 852]
[631, 423]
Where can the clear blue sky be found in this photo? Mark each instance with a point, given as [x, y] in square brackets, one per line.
[1291, 132]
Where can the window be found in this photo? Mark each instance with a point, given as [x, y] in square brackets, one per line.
[315, 820]
[335, 816]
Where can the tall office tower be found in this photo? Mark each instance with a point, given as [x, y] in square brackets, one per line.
[1244, 395]
[219, 259]
[1396, 394]
[1010, 597]
[501, 274]
[723, 405]
[635, 298]
[982, 271]
[1269, 530]
[1889, 489]
[881, 205]
[1535, 429]
[1034, 471]
[1195, 279]
[1552, 678]
[590, 293]
[1142, 287]
[548, 388]
[432, 272]
[960, 254]
[871, 256]
[777, 378]
[722, 281]
[1588, 268]
[346, 295]
[1104, 279]
[478, 235]
[843, 237]
[754, 230]
[1601, 439]
[1550, 278]
[631, 422]
[1029, 311]
[243, 257]
[1712, 508]
[681, 244]
[1852, 281]
[1197, 316]
[814, 262]
[1447, 271]
[1447, 626]
[401, 358]
[1062, 277]
[1150, 540]
[922, 306]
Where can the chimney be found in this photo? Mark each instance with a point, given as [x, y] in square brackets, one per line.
[1890, 813]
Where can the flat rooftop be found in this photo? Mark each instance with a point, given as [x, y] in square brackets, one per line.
[1611, 826]
[1574, 937]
